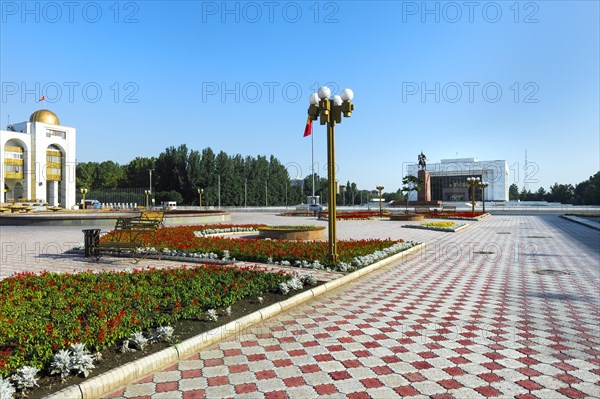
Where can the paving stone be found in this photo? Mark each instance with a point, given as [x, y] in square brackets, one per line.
[441, 322]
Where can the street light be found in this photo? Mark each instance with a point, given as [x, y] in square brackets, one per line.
[150, 171]
[483, 186]
[200, 192]
[380, 188]
[330, 112]
[83, 192]
[147, 193]
[473, 182]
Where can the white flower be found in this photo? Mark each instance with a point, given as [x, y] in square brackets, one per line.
[283, 288]
[6, 389]
[309, 279]
[295, 283]
[25, 377]
[212, 314]
[61, 363]
[139, 340]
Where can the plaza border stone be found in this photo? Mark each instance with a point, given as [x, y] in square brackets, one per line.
[112, 380]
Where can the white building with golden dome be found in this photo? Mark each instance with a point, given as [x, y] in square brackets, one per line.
[38, 161]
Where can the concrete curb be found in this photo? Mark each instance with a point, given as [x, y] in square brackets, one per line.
[112, 380]
[441, 229]
[581, 221]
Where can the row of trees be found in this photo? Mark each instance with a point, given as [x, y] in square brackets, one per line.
[584, 193]
[178, 173]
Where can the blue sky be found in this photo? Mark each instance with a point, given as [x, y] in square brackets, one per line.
[488, 80]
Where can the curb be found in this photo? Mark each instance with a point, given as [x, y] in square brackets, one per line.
[112, 380]
[442, 229]
[581, 221]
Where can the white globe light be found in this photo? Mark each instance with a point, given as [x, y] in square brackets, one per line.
[313, 99]
[347, 95]
[324, 92]
[337, 100]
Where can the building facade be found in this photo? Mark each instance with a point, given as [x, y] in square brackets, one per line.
[38, 161]
[449, 179]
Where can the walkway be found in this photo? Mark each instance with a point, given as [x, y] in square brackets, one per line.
[470, 317]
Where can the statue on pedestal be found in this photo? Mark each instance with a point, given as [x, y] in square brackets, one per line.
[422, 159]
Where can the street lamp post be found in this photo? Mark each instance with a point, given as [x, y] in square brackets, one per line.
[150, 172]
[483, 186]
[200, 192]
[147, 194]
[83, 192]
[473, 182]
[380, 188]
[330, 112]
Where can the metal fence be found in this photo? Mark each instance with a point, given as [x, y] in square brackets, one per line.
[115, 195]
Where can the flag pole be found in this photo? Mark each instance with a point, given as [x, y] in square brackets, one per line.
[312, 140]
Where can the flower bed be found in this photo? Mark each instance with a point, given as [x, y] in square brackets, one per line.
[457, 215]
[357, 215]
[181, 241]
[42, 314]
[292, 232]
[297, 213]
[438, 226]
[342, 215]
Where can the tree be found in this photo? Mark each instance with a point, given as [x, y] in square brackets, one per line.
[591, 194]
[86, 175]
[109, 175]
[163, 196]
[137, 172]
[321, 187]
[588, 192]
[411, 183]
[525, 195]
[562, 193]
[178, 169]
[513, 192]
[540, 195]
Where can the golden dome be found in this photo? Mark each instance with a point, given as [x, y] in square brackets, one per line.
[44, 116]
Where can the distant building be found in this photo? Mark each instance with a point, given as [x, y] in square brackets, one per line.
[38, 161]
[449, 179]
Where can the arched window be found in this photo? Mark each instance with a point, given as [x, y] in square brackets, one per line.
[54, 163]
[13, 160]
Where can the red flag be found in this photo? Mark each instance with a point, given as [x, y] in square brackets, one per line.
[308, 128]
[42, 99]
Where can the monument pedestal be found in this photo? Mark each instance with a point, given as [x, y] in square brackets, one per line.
[424, 194]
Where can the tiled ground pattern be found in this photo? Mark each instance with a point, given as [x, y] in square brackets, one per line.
[467, 318]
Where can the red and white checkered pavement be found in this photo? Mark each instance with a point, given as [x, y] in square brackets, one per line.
[466, 318]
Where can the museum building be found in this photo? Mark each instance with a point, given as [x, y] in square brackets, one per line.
[449, 179]
[38, 161]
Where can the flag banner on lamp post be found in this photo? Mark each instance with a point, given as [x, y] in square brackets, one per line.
[308, 128]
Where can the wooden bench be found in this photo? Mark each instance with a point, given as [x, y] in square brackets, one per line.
[448, 209]
[131, 234]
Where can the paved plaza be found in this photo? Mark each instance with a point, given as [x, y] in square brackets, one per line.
[508, 307]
